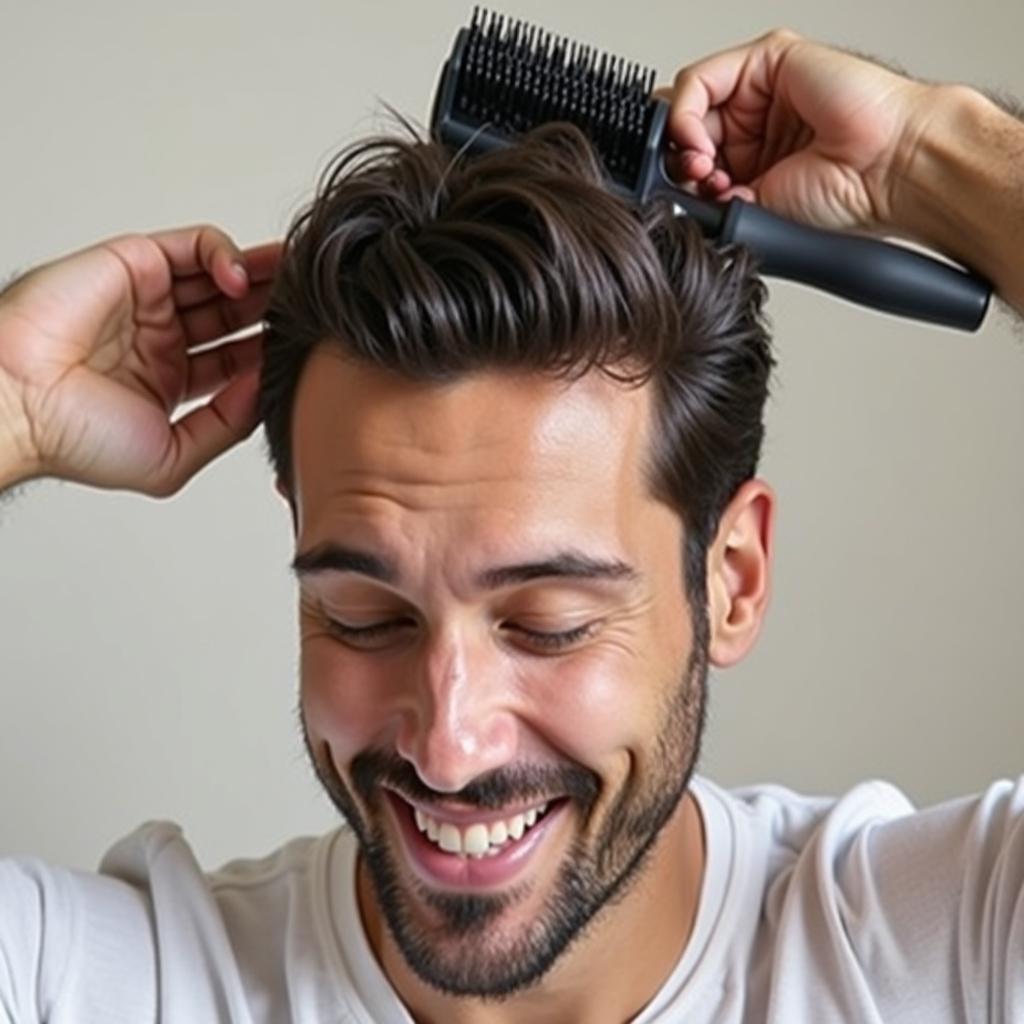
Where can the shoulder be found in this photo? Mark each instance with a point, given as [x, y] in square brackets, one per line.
[874, 826]
[786, 822]
[254, 927]
[89, 947]
[158, 859]
[73, 939]
[900, 907]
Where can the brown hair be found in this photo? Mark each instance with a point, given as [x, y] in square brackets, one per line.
[434, 265]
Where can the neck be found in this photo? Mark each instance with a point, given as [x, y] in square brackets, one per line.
[650, 925]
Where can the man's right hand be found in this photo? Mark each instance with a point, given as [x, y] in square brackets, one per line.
[97, 351]
[832, 140]
[813, 133]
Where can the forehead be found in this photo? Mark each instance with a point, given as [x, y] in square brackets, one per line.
[508, 444]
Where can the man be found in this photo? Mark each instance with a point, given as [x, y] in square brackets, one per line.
[517, 426]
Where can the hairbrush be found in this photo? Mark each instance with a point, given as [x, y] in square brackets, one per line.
[505, 76]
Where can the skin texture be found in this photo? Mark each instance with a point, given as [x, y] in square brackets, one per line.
[457, 702]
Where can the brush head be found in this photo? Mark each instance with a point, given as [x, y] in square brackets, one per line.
[505, 76]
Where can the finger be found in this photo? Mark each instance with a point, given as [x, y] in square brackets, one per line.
[696, 91]
[261, 261]
[718, 180]
[194, 290]
[689, 166]
[714, 186]
[261, 264]
[198, 438]
[702, 162]
[211, 370]
[697, 166]
[222, 315]
[204, 249]
[744, 192]
[701, 88]
[693, 166]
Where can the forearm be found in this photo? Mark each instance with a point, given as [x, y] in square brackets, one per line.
[961, 190]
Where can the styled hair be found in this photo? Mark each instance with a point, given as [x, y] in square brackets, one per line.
[434, 265]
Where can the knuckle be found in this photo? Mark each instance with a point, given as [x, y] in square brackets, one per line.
[165, 480]
[781, 36]
[684, 76]
[216, 238]
[131, 247]
[163, 487]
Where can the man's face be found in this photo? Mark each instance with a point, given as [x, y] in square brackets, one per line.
[501, 681]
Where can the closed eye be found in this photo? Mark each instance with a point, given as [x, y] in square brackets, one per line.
[552, 641]
[370, 635]
[376, 635]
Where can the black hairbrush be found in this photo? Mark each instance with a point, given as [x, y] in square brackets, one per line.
[504, 77]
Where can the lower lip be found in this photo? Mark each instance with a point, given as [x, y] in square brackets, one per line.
[454, 871]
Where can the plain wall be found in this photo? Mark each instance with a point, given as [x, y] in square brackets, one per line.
[148, 652]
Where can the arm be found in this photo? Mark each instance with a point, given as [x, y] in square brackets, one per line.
[99, 349]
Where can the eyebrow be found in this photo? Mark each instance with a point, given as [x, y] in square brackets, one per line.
[573, 565]
[565, 565]
[338, 558]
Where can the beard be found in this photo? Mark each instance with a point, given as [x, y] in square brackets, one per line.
[462, 953]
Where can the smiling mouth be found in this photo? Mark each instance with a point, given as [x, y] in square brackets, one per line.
[476, 850]
[478, 839]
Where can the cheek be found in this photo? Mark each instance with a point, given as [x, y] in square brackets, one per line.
[341, 702]
[592, 709]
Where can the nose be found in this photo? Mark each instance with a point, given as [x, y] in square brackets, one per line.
[458, 721]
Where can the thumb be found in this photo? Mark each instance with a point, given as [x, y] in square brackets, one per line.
[205, 433]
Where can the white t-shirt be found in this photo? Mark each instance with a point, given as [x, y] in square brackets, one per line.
[811, 910]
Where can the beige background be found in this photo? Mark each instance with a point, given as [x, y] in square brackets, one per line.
[148, 649]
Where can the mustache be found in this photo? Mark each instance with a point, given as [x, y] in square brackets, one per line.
[372, 769]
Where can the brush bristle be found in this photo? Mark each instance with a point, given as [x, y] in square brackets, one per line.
[516, 76]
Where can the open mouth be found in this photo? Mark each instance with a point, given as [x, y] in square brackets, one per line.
[479, 839]
[480, 853]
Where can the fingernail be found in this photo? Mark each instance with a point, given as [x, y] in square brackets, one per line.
[240, 272]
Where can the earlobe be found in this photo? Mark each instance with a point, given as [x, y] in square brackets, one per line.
[739, 572]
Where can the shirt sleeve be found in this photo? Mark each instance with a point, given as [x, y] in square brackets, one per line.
[74, 947]
[35, 926]
[932, 902]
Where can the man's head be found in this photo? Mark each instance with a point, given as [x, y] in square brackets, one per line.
[517, 422]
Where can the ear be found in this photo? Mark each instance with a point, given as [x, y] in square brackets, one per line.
[739, 572]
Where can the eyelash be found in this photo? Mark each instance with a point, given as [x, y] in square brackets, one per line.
[550, 641]
[558, 641]
[371, 632]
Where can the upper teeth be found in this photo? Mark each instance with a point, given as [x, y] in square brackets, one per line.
[478, 839]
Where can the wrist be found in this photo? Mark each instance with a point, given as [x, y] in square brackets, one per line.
[946, 191]
[17, 452]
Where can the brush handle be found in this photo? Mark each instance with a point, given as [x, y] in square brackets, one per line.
[864, 270]
[868, 271]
